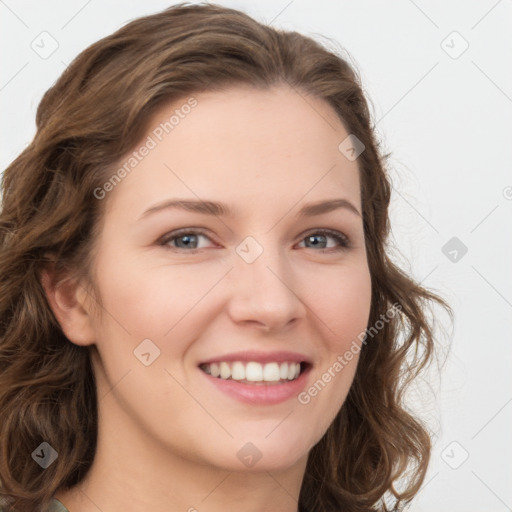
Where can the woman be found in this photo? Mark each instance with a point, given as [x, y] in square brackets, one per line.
[197, 307]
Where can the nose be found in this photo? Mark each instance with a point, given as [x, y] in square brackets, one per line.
[264, 292]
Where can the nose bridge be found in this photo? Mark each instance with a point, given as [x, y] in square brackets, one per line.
[257, 256]
[263, 284]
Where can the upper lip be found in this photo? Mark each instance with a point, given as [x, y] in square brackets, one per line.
[260, 357]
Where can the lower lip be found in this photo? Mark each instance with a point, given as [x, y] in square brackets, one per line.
[258, 393]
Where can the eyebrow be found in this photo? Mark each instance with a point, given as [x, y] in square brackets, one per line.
[219, 209]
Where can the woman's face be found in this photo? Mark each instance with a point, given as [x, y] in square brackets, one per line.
[246, 292]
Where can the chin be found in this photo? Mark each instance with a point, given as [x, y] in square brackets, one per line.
[260, 453]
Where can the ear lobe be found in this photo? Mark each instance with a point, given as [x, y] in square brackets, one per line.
[68, 301]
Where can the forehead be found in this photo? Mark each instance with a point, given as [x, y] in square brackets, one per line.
[241, 145]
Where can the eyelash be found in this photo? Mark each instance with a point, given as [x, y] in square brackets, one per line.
[343, 240]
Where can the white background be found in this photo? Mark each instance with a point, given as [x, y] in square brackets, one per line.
[447, 122]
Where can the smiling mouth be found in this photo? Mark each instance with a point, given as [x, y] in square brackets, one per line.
[252, 372]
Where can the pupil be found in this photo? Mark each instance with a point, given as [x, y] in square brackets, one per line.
[313, 237]
[187, 239]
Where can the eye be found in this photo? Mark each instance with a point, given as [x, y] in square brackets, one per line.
[319, 239]
[186, 239]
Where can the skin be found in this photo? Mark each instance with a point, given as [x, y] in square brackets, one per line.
[167, 439]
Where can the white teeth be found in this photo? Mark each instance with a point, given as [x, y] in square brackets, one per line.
[225, 371]
[253, 371]
[271, 372]
[238, 371]
[214, 370]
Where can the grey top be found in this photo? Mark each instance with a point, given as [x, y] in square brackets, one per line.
[55, 506]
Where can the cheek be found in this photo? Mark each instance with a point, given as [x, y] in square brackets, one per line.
[343, 311]
[344, 314]
[155, 301]
[343, 305]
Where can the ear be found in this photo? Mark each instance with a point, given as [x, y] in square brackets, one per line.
[70, 304]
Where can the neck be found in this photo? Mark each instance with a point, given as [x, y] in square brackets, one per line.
[132, 472]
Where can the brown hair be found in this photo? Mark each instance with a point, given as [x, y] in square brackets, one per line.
[96, 112]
